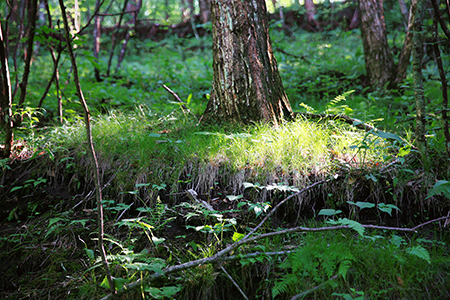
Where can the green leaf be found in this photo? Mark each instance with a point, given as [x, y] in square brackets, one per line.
[420, 252]
[90, 253]
[248, 185]
[350, 223]
[237, 236]
[404, 151]
[329, 212]
[372, 177]
[362, 205]
[155, 135]
[157, 240]
[164, 292]
[15, 188]
[53, 221]
[138, 185]
[440, 187]
[387, 135]
[189, 99]
[233, 198]
[387, 208]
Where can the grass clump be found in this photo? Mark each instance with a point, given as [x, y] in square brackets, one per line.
[148, 142]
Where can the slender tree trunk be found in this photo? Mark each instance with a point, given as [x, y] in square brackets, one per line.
[311, 14]
[418, 84]
[440, 19]
[405, 12]
[205, 10]
[87, 116]
[114, 37]
[131, 6]
[41, 22]
[405, 55]
[355, 20]
[246, 84]
[437, 54]
[6, 120]
[26, 72]
[21, 25]
[184, 11]
[378, 58]
[97, 34]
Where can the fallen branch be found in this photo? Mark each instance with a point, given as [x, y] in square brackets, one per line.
[220, 256]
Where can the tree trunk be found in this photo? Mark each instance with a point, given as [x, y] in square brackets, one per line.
[311, 14]
[377, 55]
[204, 10]
[405, 12]
[418, 84]
[246, 84]
[6, 121]
[132, 6]
[405, 55]
[437, 54]
[97, 33]
[30, 43]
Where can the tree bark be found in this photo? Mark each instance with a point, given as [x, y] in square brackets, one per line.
[32, 19]
[418, 84]
[246, 84]
[97, 33]
[405, 55]
[311, 14]
[437, 54]
[205, 11]
[114, 37]
[377, 55]
[132, 6]
[405, 12]
[6, 120]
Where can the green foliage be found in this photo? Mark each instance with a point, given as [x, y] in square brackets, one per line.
[313, 263]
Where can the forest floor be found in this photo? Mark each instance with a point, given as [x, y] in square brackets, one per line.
[175, 191]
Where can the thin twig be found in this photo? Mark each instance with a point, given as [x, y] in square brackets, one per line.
[234, 282]
[175, 96]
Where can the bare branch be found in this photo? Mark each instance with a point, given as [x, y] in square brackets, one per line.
[118, 14]
[234, 282]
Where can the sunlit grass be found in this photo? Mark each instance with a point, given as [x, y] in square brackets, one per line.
[144, 138]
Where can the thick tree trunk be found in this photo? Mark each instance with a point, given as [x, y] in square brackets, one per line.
[246, 84]
[377, 55]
